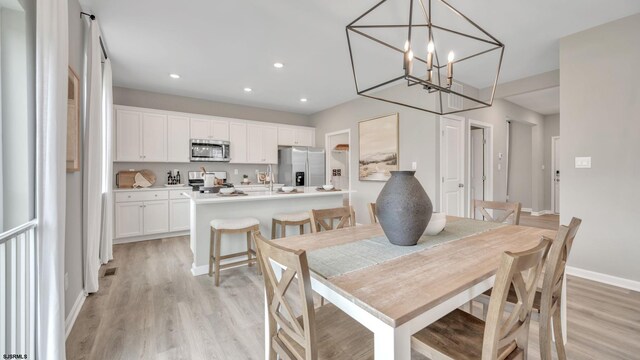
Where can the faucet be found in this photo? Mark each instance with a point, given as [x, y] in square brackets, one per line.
[270, 177]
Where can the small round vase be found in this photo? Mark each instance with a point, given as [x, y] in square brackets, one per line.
[403, 208]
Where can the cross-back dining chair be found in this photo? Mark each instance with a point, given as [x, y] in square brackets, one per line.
[323, 333]
[460, 335]
[503, 211]
[373, 215]
[325, 219]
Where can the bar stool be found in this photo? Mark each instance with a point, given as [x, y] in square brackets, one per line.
[231, 226]
[289, 219]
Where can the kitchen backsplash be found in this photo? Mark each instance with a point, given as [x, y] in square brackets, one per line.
[161, 169]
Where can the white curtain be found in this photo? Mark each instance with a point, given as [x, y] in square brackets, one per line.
[106, 244]
[92, 172]
[52, 44]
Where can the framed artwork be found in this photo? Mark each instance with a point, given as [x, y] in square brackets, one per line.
[73, 122]
[378, 141]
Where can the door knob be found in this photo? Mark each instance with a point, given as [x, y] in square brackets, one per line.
[460, 185]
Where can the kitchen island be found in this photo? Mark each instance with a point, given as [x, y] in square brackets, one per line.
[259, 205]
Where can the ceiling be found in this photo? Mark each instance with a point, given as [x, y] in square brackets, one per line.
[220, 47]
[545, 102]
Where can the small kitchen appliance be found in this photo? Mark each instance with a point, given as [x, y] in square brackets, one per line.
[216, 180]
[210, 150]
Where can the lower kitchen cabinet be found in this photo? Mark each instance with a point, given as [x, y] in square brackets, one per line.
[156, 217]
[128, 218]
[179, 215]
[150, 212]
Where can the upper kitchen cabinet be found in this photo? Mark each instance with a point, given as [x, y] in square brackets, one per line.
[140, 136]
[295, 136]
[178, 139]
[238, 142]
[212, 129]
[262, 144]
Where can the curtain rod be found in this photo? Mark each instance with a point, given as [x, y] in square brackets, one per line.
[93, 17]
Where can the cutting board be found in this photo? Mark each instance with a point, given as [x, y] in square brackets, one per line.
[125, 179]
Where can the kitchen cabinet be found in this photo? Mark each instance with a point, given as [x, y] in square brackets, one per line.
[154, 137]
[141, 136]
[179, 215]
[178, 136]
[145, 212]
[262, 144]
[295, 136]
[128, 219]
[238, 141]
[212, 129]
[156, 217]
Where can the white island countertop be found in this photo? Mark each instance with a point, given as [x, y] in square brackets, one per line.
[200, 198]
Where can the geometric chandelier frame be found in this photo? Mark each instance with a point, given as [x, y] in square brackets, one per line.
[438, 78]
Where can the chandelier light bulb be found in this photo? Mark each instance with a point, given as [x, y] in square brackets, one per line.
[451, 56]
[430, 47]
[410, 55]
[406, 45]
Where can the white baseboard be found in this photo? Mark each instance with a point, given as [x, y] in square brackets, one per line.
[150, 237]
[73, 314]
[204, 269]
[526, 210]
[604, 278]
[541, 212]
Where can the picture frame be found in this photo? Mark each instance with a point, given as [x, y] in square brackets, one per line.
[73, 122]
[378, 144]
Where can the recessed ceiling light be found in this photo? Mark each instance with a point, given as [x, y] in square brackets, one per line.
[278, 65]
[174, 76]
[248, 89]
[303, 100]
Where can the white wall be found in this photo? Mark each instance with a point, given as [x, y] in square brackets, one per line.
[551, 128]
[599, 113]
[520, 179]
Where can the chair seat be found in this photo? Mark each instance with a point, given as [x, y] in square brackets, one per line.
[512, 297]
[338, 336]
[458, 335]
[297, 216]
[234, 224]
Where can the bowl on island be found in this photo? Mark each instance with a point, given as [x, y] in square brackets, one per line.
[436, 224]
[287, 189]
[327, 187]
[227, 190]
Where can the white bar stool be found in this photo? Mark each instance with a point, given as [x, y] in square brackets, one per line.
[289, 219]
[231, 226]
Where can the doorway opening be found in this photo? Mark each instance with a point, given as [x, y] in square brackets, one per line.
[555, 174]
[338, 161]
[480, 164]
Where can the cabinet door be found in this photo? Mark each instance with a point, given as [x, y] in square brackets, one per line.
[200, 128]
[254, 145]
[286, 136]
[270, 144]
[305, 137]
[220, 129]
[178, 139]
[128, 135]
[156, 217]
[128, 218]
[179, 215]
[154, 137]
[238, 140]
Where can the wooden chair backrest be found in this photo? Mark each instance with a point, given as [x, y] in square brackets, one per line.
[372, 213]
[507, 211]
[281, 311]
[505, 334]
[323, 219]
[554, 273]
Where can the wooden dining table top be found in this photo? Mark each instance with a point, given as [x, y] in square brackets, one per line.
[398, 290]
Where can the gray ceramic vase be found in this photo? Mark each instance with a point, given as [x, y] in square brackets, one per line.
[403, 208]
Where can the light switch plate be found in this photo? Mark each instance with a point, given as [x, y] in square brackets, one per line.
[499, 167]
[583, 162]
[414, 165]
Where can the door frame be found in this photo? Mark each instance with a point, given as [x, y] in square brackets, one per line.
[488, 165]
[553, 173]
[462, 120]
[328, 151]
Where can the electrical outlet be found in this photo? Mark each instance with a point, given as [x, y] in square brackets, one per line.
[414, 165]
[583, 162]
[66, 281]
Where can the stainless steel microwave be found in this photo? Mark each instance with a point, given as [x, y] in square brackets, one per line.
[210, 150]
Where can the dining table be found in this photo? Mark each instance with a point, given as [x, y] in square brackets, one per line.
[395, 291]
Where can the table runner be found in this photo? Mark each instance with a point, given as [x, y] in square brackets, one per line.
[341, 259]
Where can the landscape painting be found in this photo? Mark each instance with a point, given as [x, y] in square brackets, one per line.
[378, 148]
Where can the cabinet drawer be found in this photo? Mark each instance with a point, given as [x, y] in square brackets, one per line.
[141, 196]
[177, 194]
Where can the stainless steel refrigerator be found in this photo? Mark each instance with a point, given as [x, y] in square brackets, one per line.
[301, 166]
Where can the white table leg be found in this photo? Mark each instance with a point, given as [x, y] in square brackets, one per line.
[392, 344]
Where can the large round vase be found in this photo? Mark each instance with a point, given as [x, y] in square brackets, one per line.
[403, 208]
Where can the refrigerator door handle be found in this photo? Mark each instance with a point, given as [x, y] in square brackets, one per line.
[307, 171]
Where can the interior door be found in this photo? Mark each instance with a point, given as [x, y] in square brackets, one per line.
[476, 167]
[452, 166]
[556, 175]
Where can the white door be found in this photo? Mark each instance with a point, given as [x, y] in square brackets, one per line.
[220, 129]
[128, 136]
[156, 217]
[201, 129]
[178, 139]
[179, 215]
[305, 137]
[238, 140]
[555, 144]
[286, 136]
[270, 144]
[254, 144]
[154, 137]
[452, 166]
[476, 168]
[128, 219]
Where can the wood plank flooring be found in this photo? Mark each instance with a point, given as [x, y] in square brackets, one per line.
[154, 309]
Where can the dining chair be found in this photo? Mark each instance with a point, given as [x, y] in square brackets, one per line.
[324, 219]
[322, 333]
[547, 300]
[460, 335]
[503, 211]
[372, 213]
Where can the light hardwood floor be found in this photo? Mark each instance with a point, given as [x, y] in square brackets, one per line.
[154, 309]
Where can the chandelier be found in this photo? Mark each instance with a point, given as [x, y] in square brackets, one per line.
[403, 41]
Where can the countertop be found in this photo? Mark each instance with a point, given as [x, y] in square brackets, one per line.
[200, 198]
[154, 188]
